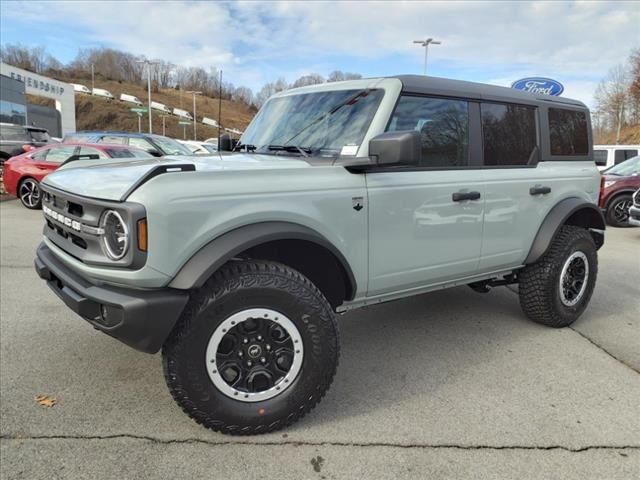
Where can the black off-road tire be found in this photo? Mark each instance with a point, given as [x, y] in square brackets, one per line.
[623, 201]
[539, 288]
[235, 287]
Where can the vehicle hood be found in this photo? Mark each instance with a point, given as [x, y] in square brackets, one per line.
[115, 180]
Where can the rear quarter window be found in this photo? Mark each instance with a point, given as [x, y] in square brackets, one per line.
[568, 133]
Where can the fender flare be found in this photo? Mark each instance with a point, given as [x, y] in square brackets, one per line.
[558, 216]
[195, 272]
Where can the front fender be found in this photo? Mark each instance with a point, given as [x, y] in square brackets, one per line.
[216, 253]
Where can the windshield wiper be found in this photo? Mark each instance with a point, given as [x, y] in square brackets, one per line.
[349, 101]
[304, 151]
[246, 146]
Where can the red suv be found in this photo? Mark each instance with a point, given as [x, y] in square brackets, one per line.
[618, 184]
[23, 173]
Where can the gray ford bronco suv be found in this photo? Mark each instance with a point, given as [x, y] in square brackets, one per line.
[338, 196]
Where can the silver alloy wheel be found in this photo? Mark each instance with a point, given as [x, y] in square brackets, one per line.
[574, 278]
[254, 355]
[29, 193]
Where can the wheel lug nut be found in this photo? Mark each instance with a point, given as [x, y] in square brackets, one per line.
[268, 347]
[240, 353]
[263, 360]
[259, 337]
[249, 363]
[245, 340]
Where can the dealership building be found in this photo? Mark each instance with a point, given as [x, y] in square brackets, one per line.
[16, 84]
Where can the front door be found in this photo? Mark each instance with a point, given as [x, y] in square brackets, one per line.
[425, 221]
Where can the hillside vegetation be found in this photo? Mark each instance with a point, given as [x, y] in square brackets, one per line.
[97, 113]
[628, 136]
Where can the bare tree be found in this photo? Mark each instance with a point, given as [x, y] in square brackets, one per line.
[311, 79]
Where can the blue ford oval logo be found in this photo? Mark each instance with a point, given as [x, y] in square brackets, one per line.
[541, 85]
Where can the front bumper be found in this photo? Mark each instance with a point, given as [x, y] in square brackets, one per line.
[634, 216]
[141, 319]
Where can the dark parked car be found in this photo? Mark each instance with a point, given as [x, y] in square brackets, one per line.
[618, 184]
[156, 145]
[17, 139]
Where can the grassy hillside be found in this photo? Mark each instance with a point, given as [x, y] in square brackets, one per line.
[628, 136]
[96, 113]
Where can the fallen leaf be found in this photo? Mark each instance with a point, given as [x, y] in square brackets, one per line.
[46, 401]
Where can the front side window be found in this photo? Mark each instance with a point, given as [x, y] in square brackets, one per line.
[443, 125]
[60, 154]
[509, 134]
[112, 139]
[140, 143]
[600, 157]
[321, 123]
[568, 132]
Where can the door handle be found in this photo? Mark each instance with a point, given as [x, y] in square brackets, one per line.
[539, 190]
[462, 196]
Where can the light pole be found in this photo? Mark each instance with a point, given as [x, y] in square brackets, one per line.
[148, 63]
[194, 93]
[425, 43]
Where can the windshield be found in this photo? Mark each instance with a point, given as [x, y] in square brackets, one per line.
[321, 122]
[171, 147]
[626, 168]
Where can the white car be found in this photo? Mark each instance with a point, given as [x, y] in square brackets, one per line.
[607, 156]
[101, 92]
[161, 107]
[182, 113]
[199, 147]
[130, 99]
[81, 88]
[210, 121]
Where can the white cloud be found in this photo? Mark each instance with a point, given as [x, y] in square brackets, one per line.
[256, 42]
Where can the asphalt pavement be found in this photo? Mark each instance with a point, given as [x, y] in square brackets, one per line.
[453, 384]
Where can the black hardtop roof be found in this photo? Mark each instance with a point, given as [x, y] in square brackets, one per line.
[459, 88]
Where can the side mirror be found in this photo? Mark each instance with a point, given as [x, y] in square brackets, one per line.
[154, 152]
[396, 148]
[225, 143]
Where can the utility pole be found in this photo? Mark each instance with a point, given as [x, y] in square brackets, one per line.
[148, 63]
[163, 125]
[425, 43]
[93, 83]
[620, 117]
[194, 93]
[219, 109]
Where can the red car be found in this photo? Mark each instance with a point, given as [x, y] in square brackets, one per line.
[23, 173]
[618, 184]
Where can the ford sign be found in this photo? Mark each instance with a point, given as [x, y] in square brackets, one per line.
[545, 86]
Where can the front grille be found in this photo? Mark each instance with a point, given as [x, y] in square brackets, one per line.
[73, 225]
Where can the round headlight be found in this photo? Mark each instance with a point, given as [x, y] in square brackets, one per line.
[116, 235]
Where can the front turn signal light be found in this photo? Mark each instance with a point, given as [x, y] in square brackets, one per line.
[142, 235]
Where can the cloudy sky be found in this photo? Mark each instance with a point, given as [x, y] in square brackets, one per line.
[256, 42]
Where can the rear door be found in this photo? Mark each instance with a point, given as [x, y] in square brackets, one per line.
[530, 173]
[425, 221]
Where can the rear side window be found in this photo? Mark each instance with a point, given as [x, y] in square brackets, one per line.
[126, 153]
[509, 134]
[568, 132]
[60, 154]
[92, 151]
[622, 155]
[600, 157]
[443, 125]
